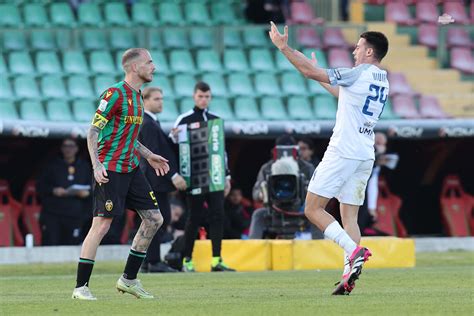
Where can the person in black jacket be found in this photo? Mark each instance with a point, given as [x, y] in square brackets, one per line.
[215, 200]
[152, 136]
[64, 186]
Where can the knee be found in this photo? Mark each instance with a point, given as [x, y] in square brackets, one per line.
[154, 220]
[102, 228]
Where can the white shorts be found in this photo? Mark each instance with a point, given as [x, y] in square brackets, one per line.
[342, 178]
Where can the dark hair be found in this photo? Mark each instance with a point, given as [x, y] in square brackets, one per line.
[202, 86]
[308, 142]
[71, 140]
[285, 139]
[378, 41]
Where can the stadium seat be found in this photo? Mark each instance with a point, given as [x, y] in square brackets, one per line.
[103, 82]
[208, 61]
[430, 108]
[154, 39]
[324, 107]
[399, 84]
[48, 63]
[282, 64]
[143, 14]
[34, 15]
[74, 62]
[397, 12]
[202, 37]
[235, 61]
[170, 112]
[8, 110]
[221, 107]
[462, 59]
[61, 15]
[232, 38]
[315, 88]
[320, 56]
[122, 39]
[299, 108]
[457, 11]
[255, 37]
[14, 40]
[159, 59]
[102, 63]
[246, 109]
[458, 37]
[302, 13]
[42, 40]
[404, 106]
[21, 63]
[273, 109]
[308, 37]
[293, 83]
[10, 16]
[339, 57]
[170, 14]
[217, 84]
[426, 12]
[184, 85]
[240, 85]
[58, 111]
[164, 83]
[32, 111]
[333, 38]
[223, 13]
[175, 39]
[186, 104]
[89, 14]
[80, 87]
[6, 92]
[93, 40]
[181, 61]
[387, 112]
[83, 110]
[428, 35]
[52, 87]
[116, 14]
[196, 14]
[267, 84]
[261, 60]
[3, 66]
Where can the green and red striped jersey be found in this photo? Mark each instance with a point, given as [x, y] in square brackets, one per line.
[119, 116]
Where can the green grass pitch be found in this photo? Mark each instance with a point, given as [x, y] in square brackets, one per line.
[441, 284]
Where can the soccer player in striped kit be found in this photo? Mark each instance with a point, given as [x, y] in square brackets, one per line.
[119, 183]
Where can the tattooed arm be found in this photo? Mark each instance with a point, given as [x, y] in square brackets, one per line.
[100, 174]
[157, 162]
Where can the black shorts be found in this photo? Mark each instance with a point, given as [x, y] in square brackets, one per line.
[124, 190]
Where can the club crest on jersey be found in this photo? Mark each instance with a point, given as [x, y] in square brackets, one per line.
[109, 205]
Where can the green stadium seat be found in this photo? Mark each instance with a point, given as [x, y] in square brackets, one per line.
[14, 40]
[52, 87]
[246, 109]
[320, 56]
[154, 39]
[186, 104]
[103, 82]
[48, 63]
[273, 109]
[267, 84]
[256, 37]
[8, 110]
[293, 83]
[93, 40]
[217, 84]
[42, 40]
[235, 61]
[315, 88]
[299, 108]
[34, 15]
[181, 61]
[163, 82]
[208, 61]
[282, 63]
[74, 62]
[20, 63]
[61, 15]
[58, 111]
[223, 13]
[89, 15]
[232, 38]
[102, 63]
[32, 111]
[143, 14]
[184, 85]
[3, 67]
[122, 39]
[64, 39]
[10, 16]
[5, 89]
[175, 39]
[240, 85]
[202, 38]
[83, 110]
[325, 107]
[170, 112]
[196, 14]
[261, 60]
[161, 64]
[170, 14]
[388, 113]
[116, 14]
[221, 107]
[80, 87]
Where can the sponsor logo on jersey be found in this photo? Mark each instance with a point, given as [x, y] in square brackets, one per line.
[133, 119]
[108, 94]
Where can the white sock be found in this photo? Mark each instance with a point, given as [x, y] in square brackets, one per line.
[335, 232]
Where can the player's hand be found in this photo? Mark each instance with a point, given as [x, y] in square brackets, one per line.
[179, 182]
[227, 187]
[174, 133]
[445, 19]
[160, 164]
[100, 174]
[278, 39]
[60, 192]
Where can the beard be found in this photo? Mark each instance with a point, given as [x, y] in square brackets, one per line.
[146, 78]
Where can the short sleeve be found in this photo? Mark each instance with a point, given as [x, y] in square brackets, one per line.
[107, 105]
[345, 77]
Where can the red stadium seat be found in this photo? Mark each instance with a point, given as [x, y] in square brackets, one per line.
[427, 12]
[404, 106]
[458, 37]
[456, 207]
[302, 13]
[339, 57]
[11, 208]
[308, 37]
[31, 211]
[333, 37]
[398, 12]
[428, 35]
[399, 84]
[457, 11]
[461, 59]
[376, 2]
[430, 108]
[388, 208]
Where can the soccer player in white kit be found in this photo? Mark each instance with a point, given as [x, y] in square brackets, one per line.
[347, 163]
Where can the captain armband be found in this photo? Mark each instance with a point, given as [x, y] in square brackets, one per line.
[99, 121]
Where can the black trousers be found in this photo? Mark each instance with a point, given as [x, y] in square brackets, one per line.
[215, 202]
[153, 254]
[60, 230]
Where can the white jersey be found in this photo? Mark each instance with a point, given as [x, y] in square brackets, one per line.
[363, 92]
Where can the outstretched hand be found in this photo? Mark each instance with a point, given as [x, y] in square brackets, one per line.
[160, 164]
[278, 39]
